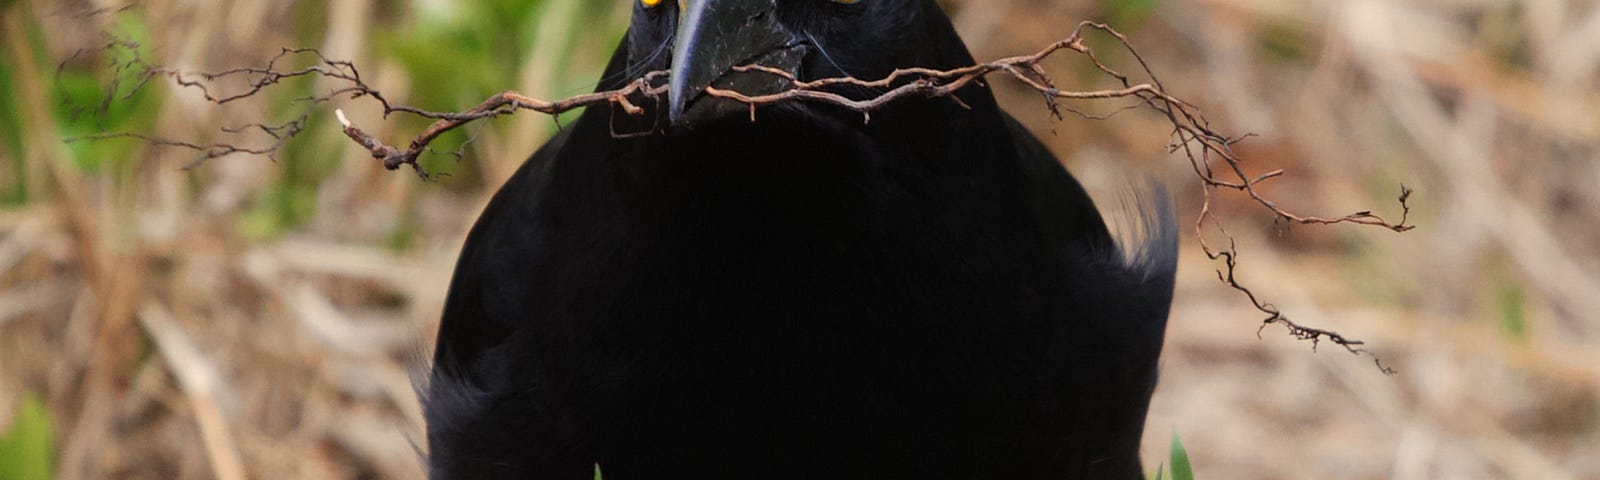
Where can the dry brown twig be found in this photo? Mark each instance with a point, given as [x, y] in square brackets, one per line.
[1205, 148]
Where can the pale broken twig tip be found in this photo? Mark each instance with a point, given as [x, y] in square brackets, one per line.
[343, 120]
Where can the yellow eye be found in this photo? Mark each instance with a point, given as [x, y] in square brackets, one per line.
[650, 3]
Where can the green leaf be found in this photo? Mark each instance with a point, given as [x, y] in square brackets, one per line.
[1180, 460]
[26, 450]
[597, 475]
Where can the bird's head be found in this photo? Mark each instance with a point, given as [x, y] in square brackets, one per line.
[701, 41]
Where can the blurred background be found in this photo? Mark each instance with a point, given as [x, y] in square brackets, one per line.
[262, 317]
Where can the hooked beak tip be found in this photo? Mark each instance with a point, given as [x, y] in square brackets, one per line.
[677, 104]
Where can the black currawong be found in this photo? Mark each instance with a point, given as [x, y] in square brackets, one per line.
[803, 296]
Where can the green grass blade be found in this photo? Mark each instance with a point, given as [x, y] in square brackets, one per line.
[26, 450]
[1180, 460]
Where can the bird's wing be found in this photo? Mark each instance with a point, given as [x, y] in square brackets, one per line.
[490, 258]
[476, 400]
[1122, 292]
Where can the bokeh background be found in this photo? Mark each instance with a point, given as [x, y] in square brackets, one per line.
[263, 317]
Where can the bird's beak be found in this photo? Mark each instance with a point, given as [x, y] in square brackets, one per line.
[715, 36]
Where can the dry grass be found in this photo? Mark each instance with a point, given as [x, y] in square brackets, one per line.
[173, 340]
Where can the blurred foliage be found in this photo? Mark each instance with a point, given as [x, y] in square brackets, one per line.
[453, 54]
[1129, 13]
[12, 132]
[1504, 34]
[11, 135]
[27, 449]
[1286, 44]
[493, 35]
[1511, 305]
[99, 95]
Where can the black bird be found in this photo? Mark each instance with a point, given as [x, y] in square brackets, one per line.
[803, 296]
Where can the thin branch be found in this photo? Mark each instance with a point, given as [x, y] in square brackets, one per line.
[1209, 153]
